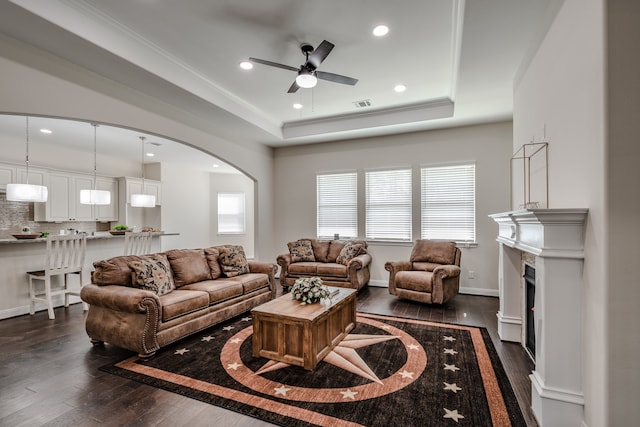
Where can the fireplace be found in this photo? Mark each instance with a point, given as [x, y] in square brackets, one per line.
[530, 305]
[547, 318]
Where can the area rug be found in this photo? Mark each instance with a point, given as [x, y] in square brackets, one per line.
[388, 371]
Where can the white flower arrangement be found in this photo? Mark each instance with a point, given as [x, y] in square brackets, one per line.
[309, 290]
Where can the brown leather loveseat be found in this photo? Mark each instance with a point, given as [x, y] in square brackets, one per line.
[143, 303]
[336, 262]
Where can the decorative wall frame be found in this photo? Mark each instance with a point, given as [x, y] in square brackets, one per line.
[525, 154]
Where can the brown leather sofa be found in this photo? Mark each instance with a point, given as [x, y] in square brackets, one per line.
[432, 274]
[336, 262]
[128, 309]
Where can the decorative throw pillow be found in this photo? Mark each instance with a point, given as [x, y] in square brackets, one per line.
[233, 261]
[152, 274]
[348, 252]
[188, 266]
[301, 250]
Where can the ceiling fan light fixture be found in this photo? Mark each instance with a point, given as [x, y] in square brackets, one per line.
[306, 79]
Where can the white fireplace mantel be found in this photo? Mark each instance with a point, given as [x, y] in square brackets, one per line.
[556, 238]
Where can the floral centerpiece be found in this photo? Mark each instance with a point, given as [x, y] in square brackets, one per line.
[309, 290]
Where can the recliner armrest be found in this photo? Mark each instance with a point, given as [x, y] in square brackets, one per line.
[447, 271]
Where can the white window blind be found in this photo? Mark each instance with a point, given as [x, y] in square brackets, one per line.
[449, 203]
[388, 205]
[231, 213]
[337, 205]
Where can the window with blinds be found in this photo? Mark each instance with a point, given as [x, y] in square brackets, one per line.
[388, 205]
[231, 213]
[448, 206]
[337, 205]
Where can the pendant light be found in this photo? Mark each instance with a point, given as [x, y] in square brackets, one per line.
[143, 200]
[95, 196]
[27, 192]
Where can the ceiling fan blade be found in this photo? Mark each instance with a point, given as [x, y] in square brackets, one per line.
[336, 78]
[273, 64]
[320, 53]
[294, 87]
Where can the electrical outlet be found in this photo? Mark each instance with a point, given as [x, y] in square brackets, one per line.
[472, 274]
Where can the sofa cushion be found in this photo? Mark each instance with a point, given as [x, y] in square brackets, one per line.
[233, 261]
[251, 281]
[424, 266]
[331, 269]
[419, 281]
[218, 290]
[152, 274]
[301, 250]
[320, 249]
[212, 255]
[114, 271]
[188, 266]
[437, 252]
[181, 302]
[335, 246]
[306, 268]
[349, 251]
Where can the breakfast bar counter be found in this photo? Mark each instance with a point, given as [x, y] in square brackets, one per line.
[17, 256]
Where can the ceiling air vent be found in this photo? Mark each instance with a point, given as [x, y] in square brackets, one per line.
[362, 104]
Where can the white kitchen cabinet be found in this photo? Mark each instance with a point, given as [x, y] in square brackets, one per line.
[7, 176]
[134, 186]
[105, 213]
[64, 199]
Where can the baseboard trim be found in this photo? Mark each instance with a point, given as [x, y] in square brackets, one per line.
[22, 310]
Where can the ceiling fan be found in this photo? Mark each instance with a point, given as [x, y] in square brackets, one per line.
[308, 72]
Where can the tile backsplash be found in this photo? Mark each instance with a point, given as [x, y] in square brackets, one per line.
[15, 215]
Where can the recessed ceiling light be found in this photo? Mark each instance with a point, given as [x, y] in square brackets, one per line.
[150, 154]
[246, 65]
[215, 165]
[46, 131]
[380, 30]
[297, 106]
[400, 88]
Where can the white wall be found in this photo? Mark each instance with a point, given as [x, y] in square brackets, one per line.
[487, 145]
[593, 158]
[36, 83]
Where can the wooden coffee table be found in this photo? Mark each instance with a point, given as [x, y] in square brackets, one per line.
[302, 335]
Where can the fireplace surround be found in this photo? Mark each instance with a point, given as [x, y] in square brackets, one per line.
[555, 238]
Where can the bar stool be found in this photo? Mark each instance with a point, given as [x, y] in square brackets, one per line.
[137, 243]
[64, 256]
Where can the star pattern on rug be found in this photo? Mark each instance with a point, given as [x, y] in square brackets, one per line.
[453, 368]
[454, 415]
[413, 346]
[348, 394]
[207, 338]
[246, 319]
[182, 351]
[450, 351]
[282, 390]
[344, 356]
[406, 374]
[235, 340]
[227, 328]
[452, 387]
[234, 366]
[449, 338]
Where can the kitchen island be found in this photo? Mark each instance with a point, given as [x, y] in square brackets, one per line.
[17, 256]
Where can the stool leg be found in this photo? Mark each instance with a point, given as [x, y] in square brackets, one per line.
[32, 295]
[66, 290]
[47, 294]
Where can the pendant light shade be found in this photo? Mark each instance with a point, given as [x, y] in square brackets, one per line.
[27, 192]
[95, 196]
[143, 200]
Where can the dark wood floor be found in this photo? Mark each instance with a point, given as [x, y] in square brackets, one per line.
[49, 371]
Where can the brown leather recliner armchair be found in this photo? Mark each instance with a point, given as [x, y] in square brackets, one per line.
[432, 274]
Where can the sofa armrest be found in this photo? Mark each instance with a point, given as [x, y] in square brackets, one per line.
[446, 283]
[120, 298]
[394, 267]
[358, 262]
[267, 268]
[284, 261]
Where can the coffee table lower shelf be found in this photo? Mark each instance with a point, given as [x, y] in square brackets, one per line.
[302, 335]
